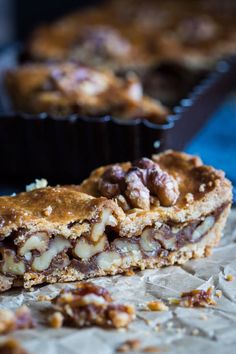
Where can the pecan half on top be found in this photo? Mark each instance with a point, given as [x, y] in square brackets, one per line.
[143, 183]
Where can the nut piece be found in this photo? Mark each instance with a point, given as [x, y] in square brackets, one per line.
[204, 227]
[136, 192]
[229, 277]
[163, 186]
[5, 283]
[157, 306]
[85, 249]
[39, 183]
[147, 241]
[11, 346]
[109, 260]
[10, 321]
[110, 184]
[38, 241]
[143, 181]
[56, 246]
[98, 229]
[197, 298]
[10, 264]
[129, 345]
[56, 320]
[89, 304]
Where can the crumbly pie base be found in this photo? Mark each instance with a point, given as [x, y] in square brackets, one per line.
[72, 233]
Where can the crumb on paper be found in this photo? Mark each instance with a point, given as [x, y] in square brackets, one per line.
[157, 306]
[11, 321]
[39, 183]
[56, 320]
[203, 317]
[169, 324]
[11, 346]
[195, 298]
[129, 273]
[229, 277]
[195, 332]
[44, 298]
[218, 293]
[151, 349]
[92, 305]
[129, 345]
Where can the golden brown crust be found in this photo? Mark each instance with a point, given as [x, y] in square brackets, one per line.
[67, 88]
[202, 190]
[194, 33]
[29, 210]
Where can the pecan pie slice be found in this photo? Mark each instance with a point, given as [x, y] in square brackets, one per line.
[46, 232]
[175, 208]
[69, 88]
[145, 214]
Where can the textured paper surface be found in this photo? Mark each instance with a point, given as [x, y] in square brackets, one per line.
[179, 330]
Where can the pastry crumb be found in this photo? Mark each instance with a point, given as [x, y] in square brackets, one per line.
[195, 298]
[11, 346]
[189, 198]
[129, 273]
[39, 183]
[92, 305]
[203, 317]
[47, 211]
[44, 298]
[195, 332]
[157, 306]
[129, 345]
[229, 277]
[12, 321]
[218, 293]
[56, 320]
[151, 349]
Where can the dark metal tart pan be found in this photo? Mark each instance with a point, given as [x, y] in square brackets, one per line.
[65, 150]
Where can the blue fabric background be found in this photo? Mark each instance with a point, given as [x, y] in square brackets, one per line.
[216, 142]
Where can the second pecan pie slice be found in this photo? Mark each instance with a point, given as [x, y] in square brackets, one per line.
[175, 208]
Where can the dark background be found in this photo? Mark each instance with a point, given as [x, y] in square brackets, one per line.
[19, 17]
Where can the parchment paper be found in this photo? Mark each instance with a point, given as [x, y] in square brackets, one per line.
[179, 330]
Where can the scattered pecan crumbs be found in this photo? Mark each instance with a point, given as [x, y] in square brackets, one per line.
[151, 349]
[56, 320]
[44, 298]
[157, 306]
[218, 293]
[229, 277]
[129, 345]
[11, 346]
[88, 305]
[11, 321]
[196, 298]
[195, 332]
[135, 345]
[129, 273]
[143, 181]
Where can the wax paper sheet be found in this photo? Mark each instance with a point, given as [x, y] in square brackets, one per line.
[178, 330]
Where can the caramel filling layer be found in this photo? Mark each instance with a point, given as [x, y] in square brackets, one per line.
[100, 248]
